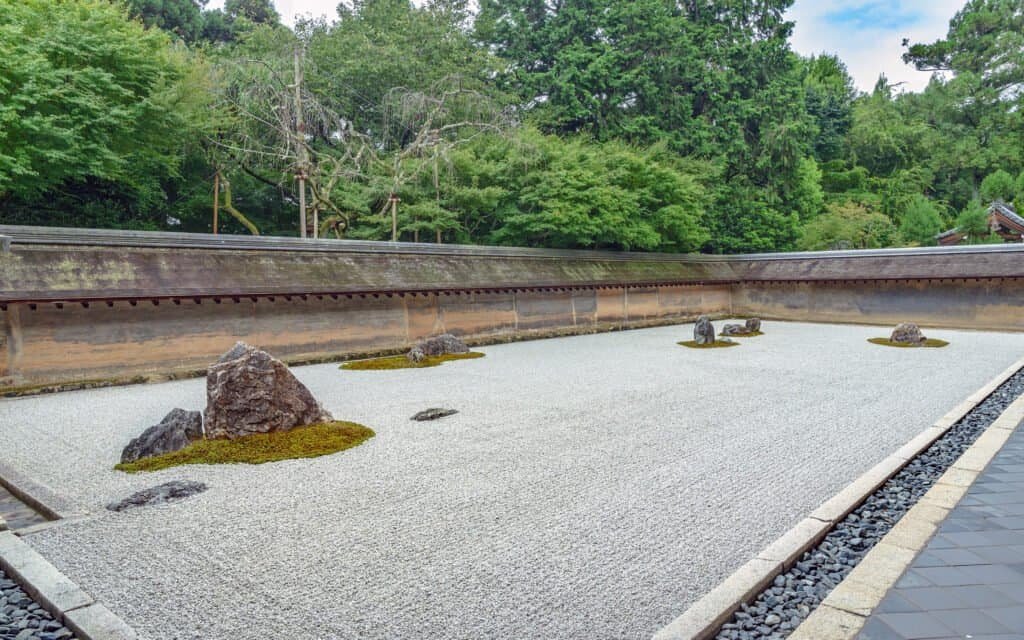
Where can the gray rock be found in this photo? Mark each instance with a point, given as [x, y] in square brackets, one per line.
[441, 345]
[254, 392]
[175, 432]
[167, 492]
[703, 331]
[416, 355]
[753, 325]
[433, 414]
[735, 330]
[907, 333]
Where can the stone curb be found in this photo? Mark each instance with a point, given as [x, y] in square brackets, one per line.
[705, 617]
[846, 609]
[43, 500]
[56, 593]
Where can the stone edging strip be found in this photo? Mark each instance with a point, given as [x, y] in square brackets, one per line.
[845, 610]
[50, 505]
[706, 616]
[55, 592]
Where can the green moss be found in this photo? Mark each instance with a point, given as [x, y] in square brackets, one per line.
[717, 344]
[302, 442]
[930, 342]
[401, 362]
[752, 334]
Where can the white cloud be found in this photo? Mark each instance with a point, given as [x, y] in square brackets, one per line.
[868, 36]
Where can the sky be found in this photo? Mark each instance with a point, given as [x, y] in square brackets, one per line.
[866, 34]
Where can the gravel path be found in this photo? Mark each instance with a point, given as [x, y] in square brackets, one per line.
[590, 487]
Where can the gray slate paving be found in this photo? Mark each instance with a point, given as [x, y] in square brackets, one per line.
[969, 581]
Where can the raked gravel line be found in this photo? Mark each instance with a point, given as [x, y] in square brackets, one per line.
[590, 487]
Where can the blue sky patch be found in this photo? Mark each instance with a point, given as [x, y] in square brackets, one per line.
[874, 15]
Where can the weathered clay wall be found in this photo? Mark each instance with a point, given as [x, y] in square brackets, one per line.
[84, 305]
[122, 341]
[992, 304]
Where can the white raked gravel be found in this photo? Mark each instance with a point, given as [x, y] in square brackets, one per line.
[590, 487]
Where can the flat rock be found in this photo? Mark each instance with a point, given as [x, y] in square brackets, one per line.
[174, 432]
[735, 330]
[703, 331]
[433, 414]
[167, 492]
[249, 391]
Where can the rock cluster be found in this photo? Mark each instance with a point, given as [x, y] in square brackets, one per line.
[436, 346]
[249, 391]
[750, 327]
[174, 432]
[703, 331]
[794, 594]
[166, 492]
[23, 619]
[907, 333]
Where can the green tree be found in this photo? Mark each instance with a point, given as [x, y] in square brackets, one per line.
[88, 95]
[255, 11]
[848, 225]
[973, 223]
[829, 96]
[920, 222]
[183, 18]
[998, 186]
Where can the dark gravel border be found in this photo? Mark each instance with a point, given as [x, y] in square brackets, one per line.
[21, 618]
[780, 608]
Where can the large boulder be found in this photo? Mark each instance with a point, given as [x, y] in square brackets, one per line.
[907, 333]
[437, 346]
[174, 432]
[703, 331]
[249, 391]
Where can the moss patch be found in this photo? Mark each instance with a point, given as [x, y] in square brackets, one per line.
[401, 362]
[717, 344]
[930, 342]
[302, 442]
[752, 334]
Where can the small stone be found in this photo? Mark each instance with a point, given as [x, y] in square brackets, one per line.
[167, 492]
[753, 325]
[415, 355]
[433, 414]
[907, 333]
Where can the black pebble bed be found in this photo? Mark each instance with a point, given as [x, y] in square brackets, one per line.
[23, 619]
[796, 593]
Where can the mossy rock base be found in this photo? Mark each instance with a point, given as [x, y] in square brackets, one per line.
[934, 343]
[302, 442]
[752, 334]
[401, 362]
[717, 344]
